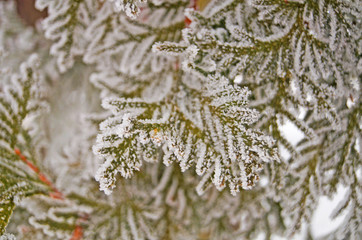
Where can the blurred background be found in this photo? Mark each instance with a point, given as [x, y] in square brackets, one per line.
[28, 12]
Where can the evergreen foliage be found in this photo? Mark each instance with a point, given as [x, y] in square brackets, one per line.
[191, 140]
[18, 104]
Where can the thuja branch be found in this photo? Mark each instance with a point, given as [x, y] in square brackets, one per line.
[42, 177]
[55, 194]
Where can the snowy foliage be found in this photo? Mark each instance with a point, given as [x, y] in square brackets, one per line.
[19, 105]
[129, 6]
[177, 111]
[214, 118]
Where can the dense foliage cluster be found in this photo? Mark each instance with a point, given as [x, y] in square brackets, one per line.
[190, 142]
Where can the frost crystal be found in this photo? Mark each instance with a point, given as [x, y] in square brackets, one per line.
[129, 6]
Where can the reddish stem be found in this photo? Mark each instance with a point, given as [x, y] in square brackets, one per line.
[55, 194]
[194, 6]
[77, 233]
[176, 65]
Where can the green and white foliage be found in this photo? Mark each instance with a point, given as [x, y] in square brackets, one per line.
[133, 213]
[278, 58]
[332, 161]
[295, 57]
[124, 44]
[129, 6]
[333, 158]
[195, 108]
[211, 115]
[159, 119]
[66, 26]
[19, 105]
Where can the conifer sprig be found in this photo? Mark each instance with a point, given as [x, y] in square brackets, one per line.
[198, 97]
[19, 175]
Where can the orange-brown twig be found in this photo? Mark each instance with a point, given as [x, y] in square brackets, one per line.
[55, 193]
[77, 233]
[194, 6]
